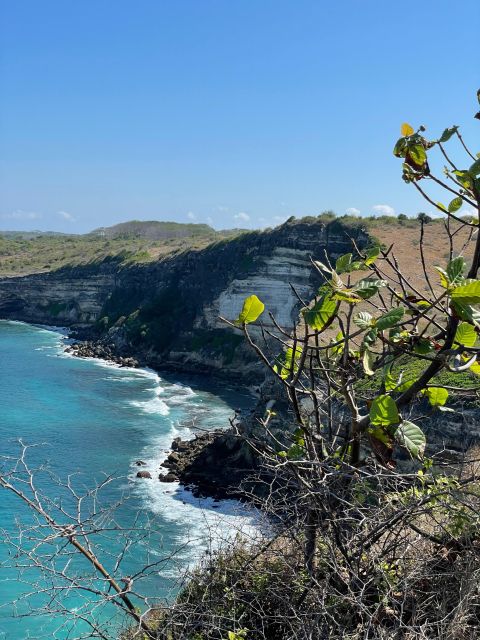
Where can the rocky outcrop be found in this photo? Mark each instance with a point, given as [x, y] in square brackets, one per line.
[218, 464]
[166, 313]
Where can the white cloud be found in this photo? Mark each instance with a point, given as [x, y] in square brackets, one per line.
[352, 211]
[209, 220]
[222, 209]
[242, 217]
[19, 214]
[191, 215]
[66, 216]
[383, 210]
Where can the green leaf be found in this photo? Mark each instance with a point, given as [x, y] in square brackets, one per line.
[447, 134]
[390, 319]
[474, 169]
[384, 412]
[466, 335]
[400, 148]
[455, 269]
[442, 207]
[251, 311]
[371, 336]
[321, 313]
[417, 153]
[289, 365]
[347, 295]
[412, 438]
[368, 360]
[363, 319]
[388, 379]
[423, 346]
[371, 255]
[342, 264]
[437, 396]
[467, 313]
[444, 279]
[464, 177]
[455, 205]
[467, 293]
[368, 287]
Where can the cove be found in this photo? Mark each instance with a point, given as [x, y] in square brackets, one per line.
[94, 420]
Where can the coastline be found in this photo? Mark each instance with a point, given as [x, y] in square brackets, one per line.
[198, 462]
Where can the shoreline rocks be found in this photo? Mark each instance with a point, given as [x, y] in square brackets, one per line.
[107, 352]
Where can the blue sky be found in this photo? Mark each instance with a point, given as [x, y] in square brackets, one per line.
[232, 112]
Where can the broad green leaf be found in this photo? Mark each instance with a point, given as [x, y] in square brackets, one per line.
[423, 346]
[390, 319]
[466, 335]
[357, 265]
[474, 169]
[417, 153]
[389, 379]
[455, 269]
[464, 177]
[475, 368]
[347, 295]
[384, 412]
[467, 313]
[342, 264]
[339, 348]
[455, 205]
[368, 287]
[371, 255]
[442, 207]
[444, 280]
[406, 130]
[288, 365]
[371, 336]
[447, 134]
[405, 382]
[412, 438]
[400, 148]
[437, 396]
[321, 313]
[368, 360]
[467, 293]
[363, 319]
[251, 311]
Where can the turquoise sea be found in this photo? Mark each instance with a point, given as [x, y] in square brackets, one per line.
[90, 421]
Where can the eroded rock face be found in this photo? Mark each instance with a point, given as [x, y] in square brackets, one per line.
[166, 313]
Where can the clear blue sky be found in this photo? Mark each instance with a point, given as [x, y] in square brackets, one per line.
[236, 112]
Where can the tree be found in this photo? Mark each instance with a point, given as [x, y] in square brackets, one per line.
[424, 218]
[347, 371]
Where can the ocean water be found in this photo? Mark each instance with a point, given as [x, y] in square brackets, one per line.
[90, 421]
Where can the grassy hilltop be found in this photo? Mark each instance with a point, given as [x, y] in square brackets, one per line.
[22, 253]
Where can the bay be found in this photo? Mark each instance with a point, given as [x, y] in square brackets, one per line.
[94, 420]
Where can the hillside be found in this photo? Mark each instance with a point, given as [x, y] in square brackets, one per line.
[23, 253]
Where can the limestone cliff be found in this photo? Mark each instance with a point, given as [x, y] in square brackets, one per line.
[167, 312]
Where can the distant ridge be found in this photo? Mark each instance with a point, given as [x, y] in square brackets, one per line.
[154, 230]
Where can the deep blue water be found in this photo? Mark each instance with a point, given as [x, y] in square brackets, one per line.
[94, 420]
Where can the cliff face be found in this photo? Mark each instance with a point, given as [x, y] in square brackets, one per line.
[167, 311]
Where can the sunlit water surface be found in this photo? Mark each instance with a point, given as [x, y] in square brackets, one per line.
[98, 420]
